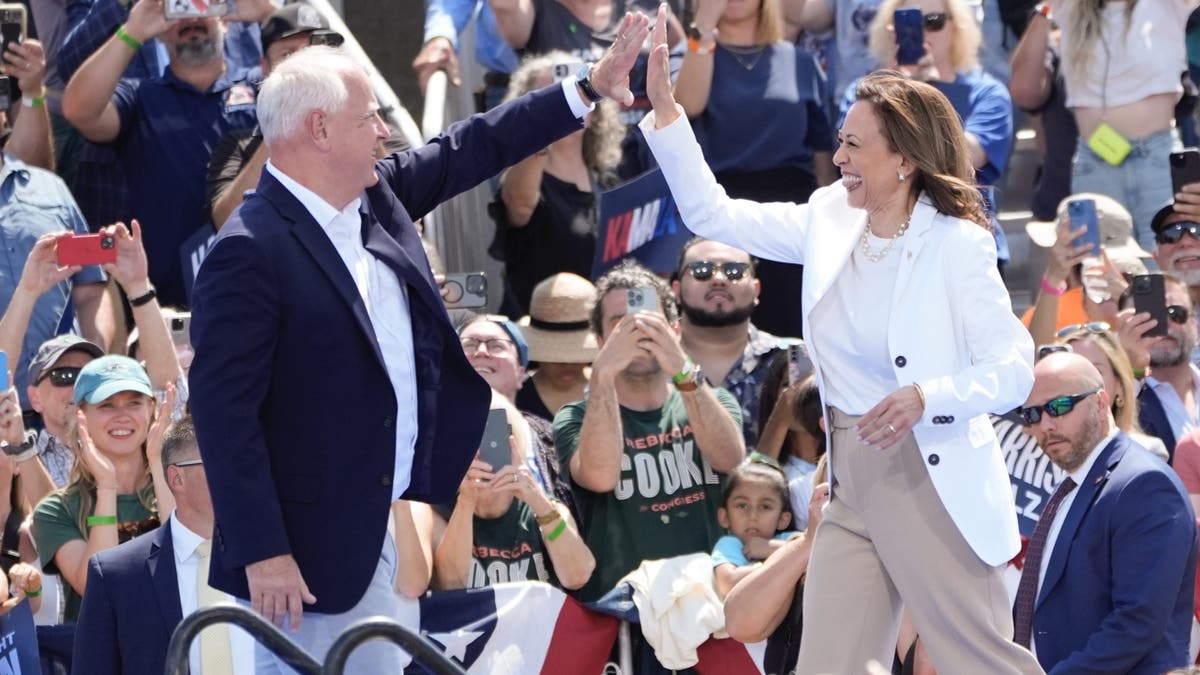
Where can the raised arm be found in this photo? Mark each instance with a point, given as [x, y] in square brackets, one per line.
[452, 558]
[30, 141]
[1030, 84]
[514, 19]
[694, 83]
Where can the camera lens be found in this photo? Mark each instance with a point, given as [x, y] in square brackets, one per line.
[106, 242]
[476, 284]
[176, 324]
[1143, 285]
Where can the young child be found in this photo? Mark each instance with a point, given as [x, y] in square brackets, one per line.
[756, 510]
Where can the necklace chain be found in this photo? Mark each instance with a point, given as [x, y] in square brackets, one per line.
[864, 242]
[738, 52]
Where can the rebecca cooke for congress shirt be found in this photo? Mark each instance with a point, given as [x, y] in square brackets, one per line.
[666, 499]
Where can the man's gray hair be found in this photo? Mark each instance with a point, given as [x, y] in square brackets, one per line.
[311, 79]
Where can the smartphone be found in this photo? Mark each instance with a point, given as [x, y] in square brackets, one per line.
[86, 249]
[566, 69]
[493, 448]
[1082, 212]
[194, 9]
[465, 290]
[1185, 168]
[181, 329]
[13, 22]
[641, 300]
[910, 35]
[799, 365]
[1150, 295]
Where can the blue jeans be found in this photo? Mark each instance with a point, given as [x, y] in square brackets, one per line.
[1142, 183]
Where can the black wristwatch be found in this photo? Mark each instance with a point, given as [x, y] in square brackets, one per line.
[584, 79]
[143, 298]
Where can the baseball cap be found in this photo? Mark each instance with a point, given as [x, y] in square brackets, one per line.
[292, 20]
[1160, 217]
[53, 349]
[110, 375]
[1114, 221]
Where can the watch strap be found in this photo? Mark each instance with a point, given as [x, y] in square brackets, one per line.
[584, 79]
[143, 298]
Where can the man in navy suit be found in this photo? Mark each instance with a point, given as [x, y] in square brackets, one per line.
[138, 592]
[328, 381]
[1114, 583]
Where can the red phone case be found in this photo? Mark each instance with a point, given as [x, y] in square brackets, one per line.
[86, 249]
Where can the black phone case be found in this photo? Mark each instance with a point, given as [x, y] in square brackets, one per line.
[1150, 295]
[493, 447]
[1185, 168]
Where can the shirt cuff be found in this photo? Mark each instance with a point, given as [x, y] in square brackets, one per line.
[579, 107]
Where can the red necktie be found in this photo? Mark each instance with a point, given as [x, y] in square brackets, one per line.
[1027, 591]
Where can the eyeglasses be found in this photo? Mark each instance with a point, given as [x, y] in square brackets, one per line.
[935, 21]
[188, 462]
[1046, 350]
[1178, 313]
[60, 377]
[703, 270]
[495, 346]
[1172, 233]
[1055, 407]
[1091, 327]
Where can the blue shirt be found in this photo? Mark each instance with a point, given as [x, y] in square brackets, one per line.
[168, 130]
[448, 18]
[729, 549]
[34, 202]
[765, 110]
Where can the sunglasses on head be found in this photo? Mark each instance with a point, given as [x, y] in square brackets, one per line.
[703, 270]
[1091, 327]
[935, 21]
[1055, 407]
[1171, 234]
[60, 377]
[1046, 350]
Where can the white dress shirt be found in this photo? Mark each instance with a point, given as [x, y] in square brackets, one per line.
[1178, 417]
[241, 645]
[1060, 516]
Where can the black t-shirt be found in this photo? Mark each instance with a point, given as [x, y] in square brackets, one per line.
[531, 403]
[1060, 133]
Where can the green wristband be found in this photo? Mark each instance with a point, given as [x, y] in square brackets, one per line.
[128, 39]
[562, 525]
[93, 521]
[34, 593]
[682, 376]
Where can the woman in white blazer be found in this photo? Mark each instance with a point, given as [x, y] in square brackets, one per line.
[914, 342]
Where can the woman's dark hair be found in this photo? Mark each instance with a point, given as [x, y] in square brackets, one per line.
[764, 469]
[808, 410]
[920, 124]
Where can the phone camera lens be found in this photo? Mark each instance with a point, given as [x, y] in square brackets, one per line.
[106, 242]
[476, 285]
[176, 325]
[1143, 285]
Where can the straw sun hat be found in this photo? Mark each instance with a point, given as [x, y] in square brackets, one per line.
[556, 327]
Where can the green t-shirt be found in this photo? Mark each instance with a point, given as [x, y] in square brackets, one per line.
[665, 503]
[509, 548]
[55, 523]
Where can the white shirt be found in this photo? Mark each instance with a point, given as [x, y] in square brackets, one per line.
[386, 301]
[1079, 476]
[1178, 417]
[852, 331]
[241, 645]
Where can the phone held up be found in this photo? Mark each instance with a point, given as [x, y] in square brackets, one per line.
[493, 448]
[910, 35]
[13, 21]
[195, 9]
[641, 300]
[86, 249]
[1150, 296]
[465, 290]
[1185, 168]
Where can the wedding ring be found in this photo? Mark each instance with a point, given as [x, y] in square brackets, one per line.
[892, 429]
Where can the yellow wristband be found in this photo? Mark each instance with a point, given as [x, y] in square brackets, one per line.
[122, 35]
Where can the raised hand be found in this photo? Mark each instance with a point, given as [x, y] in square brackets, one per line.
[610, 75]
[99, 465]
[131, 269]
[658, 74]
[26, 61]
[41, 272]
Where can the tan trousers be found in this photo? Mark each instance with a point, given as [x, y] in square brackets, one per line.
[886, 543]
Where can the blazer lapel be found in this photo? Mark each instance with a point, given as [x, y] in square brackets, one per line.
[834, 232]
[161, 566]
[1096, 478]
[918, 227]
[386, 248]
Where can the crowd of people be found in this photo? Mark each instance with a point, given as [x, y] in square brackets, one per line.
[828, 396]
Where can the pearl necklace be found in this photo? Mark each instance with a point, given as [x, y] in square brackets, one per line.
[864, 243]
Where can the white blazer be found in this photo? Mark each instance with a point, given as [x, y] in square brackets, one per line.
[952, 329]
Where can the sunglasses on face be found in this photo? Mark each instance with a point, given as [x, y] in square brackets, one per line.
[1055, 407]
[703, 270]
[1172, 233]
[495, 346]
[1178, 314]
[935, 21]
[61, 377]
[1091, 327]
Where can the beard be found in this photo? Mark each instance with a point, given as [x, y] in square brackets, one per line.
[1173, 353]
[719, 318]
[1189, 277]
[198, 53]
[1089, 435]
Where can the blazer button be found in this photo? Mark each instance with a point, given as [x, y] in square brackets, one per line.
[901, 361]
[388, 422]
[934, 459]
[385, 479]
[950, 419]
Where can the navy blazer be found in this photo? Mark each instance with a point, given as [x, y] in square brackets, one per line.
[293, 406]
[1117, 596]
[1152, 418]
[130, 609]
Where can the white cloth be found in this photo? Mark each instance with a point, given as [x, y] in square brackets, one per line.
[952, 329]
[241, 645]
[678, 607]
[1178, 417]
[386, 301]
[854, 338]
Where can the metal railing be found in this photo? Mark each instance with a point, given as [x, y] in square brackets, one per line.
[274, 639]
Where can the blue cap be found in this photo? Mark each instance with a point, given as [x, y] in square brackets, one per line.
[108, 375]
[514, 332]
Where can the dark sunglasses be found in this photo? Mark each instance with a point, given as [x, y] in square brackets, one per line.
[1055, 407]
[1046, 350]
[1178, 313]
[703, 270]
[935, 21]
[60, 377]
[1091, 327]
[1172, 233]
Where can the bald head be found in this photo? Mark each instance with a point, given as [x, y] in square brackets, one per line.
[1070, 436]
[1065, 369]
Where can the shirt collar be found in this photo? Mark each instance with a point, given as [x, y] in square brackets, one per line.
[12, 165]
[183, 540]
[230, 77]
[1155, 384]
[322, 211]
[759, 343]
[1079, 475]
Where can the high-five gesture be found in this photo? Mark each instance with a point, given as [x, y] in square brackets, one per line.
[610, 75]
[658, 74]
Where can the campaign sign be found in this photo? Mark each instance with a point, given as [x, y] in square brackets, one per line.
[192, 252]
[638, 219]
[18, 642]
